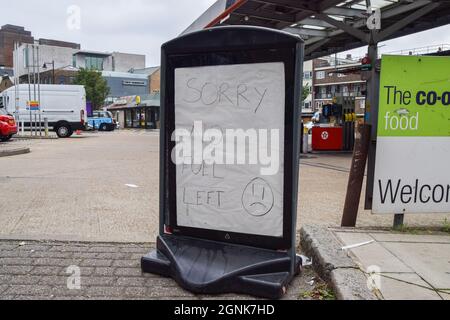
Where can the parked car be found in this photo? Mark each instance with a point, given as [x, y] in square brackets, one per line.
[8, 126]
[102, 121]
[63, 105]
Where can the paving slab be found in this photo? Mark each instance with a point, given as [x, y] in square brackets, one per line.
[402, 266]
[401, 237]
[430, 260]
[372, 254]
[406, 286]
[117, 278]
[445, 295]
[334, 265]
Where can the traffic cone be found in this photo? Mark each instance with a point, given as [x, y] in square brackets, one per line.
[78, 133]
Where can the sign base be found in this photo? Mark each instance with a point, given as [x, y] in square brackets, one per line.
[207, 267]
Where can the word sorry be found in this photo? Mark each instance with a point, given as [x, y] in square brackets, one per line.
[210, 94]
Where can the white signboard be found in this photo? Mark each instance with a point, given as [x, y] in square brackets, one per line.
[242, 106]
[412, 173]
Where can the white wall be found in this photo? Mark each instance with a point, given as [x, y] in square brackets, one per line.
[123, 62]
[62, 57]
[308, 67]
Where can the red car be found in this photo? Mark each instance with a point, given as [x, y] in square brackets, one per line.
[8, 126]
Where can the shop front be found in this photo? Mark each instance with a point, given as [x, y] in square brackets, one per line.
[137, 112]
[141, 118]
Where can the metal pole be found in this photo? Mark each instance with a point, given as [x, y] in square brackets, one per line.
[46, 126]
[398, 220]
[356, 178]
[16, 109]
[39, 91]
[373, 89]
[34, 88]
[53, 71]
[29, 85]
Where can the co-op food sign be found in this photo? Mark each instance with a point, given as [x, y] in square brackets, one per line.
[412, 172]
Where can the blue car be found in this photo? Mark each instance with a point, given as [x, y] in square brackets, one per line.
[102, 121]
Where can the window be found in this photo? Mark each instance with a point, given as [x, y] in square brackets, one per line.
[307, 75]
[320, 75]
[74, 61]
[61, 80]
[26, 58]
[341, 75]
[94, 63]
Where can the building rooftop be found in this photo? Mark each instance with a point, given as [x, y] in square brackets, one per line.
[59, 43]
[146, 71]
[97, 53]
[115, 74]
[13, 28]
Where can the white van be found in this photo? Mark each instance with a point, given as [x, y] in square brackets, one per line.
[63, 105]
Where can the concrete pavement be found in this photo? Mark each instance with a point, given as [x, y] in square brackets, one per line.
[76, 190]
[404, 266]
[108, 271]
[8, 149]
[364, 263]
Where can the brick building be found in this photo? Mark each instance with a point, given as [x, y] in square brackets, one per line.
[338, 77]
[154, 78]
[10, 34]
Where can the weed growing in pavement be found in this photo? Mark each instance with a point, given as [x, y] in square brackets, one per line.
[321, 292]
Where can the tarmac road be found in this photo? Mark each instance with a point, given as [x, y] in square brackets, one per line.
[105, 187]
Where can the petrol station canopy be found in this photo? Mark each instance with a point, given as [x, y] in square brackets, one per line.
[330, 26]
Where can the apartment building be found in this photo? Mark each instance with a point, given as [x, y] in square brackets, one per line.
[338, 77]
[10, 34]
[307, 104]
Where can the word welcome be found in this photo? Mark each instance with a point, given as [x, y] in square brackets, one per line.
[417, 193]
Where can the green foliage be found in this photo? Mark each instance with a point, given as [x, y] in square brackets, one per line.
[321, 292]
[96, 87]
[305, 93]
[446, 226]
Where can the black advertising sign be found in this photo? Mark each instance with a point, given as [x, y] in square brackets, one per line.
[229, 158]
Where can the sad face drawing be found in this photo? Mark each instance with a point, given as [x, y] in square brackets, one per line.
[258, 199]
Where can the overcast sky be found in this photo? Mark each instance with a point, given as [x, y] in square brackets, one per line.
[137, 26]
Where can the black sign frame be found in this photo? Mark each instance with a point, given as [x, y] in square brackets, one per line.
[246, 45]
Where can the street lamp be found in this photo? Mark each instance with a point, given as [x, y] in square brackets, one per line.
[53, 68]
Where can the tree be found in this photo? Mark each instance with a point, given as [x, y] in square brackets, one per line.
[305, 92]
[96, 87]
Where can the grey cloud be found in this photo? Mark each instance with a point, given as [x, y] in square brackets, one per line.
[135, 26]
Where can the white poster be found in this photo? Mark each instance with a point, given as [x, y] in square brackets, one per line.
[233, 179]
